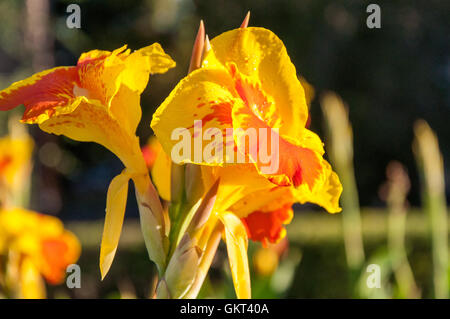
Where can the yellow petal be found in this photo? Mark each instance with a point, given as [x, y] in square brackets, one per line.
[96, 101]
[259, 54]
[326, 191]
[143, 62]
[126, 108]
[237, 241]
[99, 77]
[115, 210]
[125, 105]
[311, 140]
[161, 170]
[236, 182]
[31, 283]
[265, 200]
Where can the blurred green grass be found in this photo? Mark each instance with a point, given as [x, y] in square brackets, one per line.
[322, 272]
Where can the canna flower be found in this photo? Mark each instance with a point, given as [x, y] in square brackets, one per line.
[98, 100]
[35, 246]
[247, 81]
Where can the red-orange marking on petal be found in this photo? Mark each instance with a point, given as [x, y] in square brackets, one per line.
[44, 95]
[300, 165]
[297, 165]
[253, 97]
[221, 112]
[90, 74]
[268, 226]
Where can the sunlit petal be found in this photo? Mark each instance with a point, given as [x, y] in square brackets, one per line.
[236, 240]
[115, 210]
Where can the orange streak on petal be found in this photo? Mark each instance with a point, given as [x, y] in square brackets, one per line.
[98, 72]
[268, 226]
[255, 98]
[300, 165]
[41, 93]
[221, 112]
[297, 164]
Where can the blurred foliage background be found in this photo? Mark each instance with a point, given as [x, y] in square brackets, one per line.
[388, 78]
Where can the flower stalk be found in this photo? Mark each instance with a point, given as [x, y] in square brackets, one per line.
[340, 143]
[430, 163]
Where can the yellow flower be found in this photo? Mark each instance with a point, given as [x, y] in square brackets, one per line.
[246, 82]
[35, 245]
[98, 100]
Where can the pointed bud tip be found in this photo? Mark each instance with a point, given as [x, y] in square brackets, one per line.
[200, 34]
[207, 45]
[197, 50]
[246, 20]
